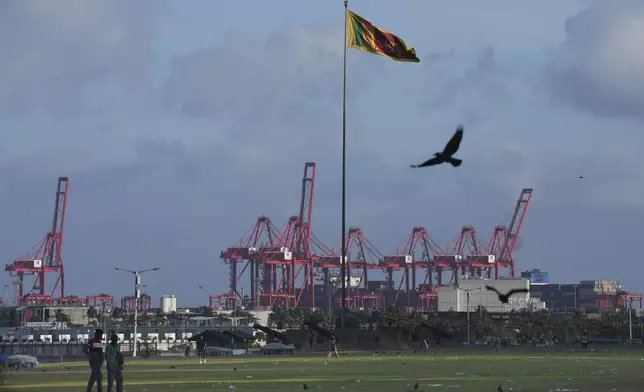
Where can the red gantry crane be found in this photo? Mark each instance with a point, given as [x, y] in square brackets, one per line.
[473, 255]
[45, 257]
[297, 284]
[418, 251]
[504, 239]
[367, 258]
[285, 260]
[247, 252]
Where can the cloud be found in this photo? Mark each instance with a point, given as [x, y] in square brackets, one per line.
[55, 54]
[245, 77]
[600, 65]
[167, 174]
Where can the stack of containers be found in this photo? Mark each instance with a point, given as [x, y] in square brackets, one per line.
[598, 293]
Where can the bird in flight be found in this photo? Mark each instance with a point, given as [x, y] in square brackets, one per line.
[446, 155]
[505, 298]
[581, 177]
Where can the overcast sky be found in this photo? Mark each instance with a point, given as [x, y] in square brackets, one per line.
[179, 122]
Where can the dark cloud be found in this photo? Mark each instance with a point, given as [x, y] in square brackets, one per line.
[246, 78]
[239, 120]
[463, 81]
[55, 54]
[600, 66]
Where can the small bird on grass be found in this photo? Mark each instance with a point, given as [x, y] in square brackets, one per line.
[447, 154]
[172, 367]
[499, 389]
[235, 368]
[505, 298]
[416, 386]
[305, 386]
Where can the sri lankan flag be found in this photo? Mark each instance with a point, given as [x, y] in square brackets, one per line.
[363, 35]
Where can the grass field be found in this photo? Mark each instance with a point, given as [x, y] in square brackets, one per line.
[470, 370]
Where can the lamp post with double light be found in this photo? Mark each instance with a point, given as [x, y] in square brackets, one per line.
[137, 294]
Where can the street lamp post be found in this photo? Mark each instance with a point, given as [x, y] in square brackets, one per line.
[467, 292]
[630, 320]
[137, 293]
[21, 316]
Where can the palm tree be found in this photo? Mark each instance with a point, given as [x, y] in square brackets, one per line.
[92, 314]
[118, 313]
[174, 318]
[250, 319]
[159, 318]
[207, 312]
[221, 318]
[62, 317]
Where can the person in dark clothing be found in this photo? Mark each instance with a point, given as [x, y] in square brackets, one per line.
[114, 361]
[333, 347]
[438, 342]
[201, 349]
[310, 337]
[95, 351]
[584, 340]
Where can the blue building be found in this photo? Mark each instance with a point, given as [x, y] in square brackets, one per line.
[536, 277]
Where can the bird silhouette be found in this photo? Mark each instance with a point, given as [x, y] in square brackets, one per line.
[172, 367]
[416, 386]
[235, 368]
[505, 298]
[499, 389]
[305, 386]
[446, 155]
[581, 177]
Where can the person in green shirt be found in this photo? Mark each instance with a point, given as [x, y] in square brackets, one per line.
[114, 360]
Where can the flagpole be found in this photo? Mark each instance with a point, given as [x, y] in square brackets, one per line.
[343, 271]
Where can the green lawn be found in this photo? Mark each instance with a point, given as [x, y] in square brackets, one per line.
[468, 370]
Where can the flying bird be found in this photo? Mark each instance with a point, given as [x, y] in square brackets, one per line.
[505, 298]
[581, 177]
[446, 155]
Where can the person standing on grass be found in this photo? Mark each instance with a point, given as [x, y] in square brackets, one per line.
[114, 360]
[333, 347]
[584, 340]
[310, 337]
[201, 349]
[95, 351]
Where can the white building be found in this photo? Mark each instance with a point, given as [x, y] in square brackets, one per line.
[451, 299]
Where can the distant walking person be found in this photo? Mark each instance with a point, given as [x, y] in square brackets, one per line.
[310, 337]
[114, 360]
[201, 349]
[95, 351]
[333, 348]
[584, 340]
